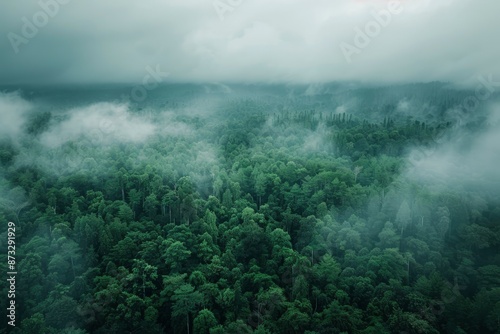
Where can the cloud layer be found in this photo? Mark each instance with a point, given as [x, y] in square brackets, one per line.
[102, 122]
[13, 108]
[464, 160]
[251, 41]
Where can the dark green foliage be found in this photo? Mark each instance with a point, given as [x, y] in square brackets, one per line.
[297, 220]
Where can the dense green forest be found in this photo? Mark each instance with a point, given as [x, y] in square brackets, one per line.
[253, 209]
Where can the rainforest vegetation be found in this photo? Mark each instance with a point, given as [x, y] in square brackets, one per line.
[212, 209]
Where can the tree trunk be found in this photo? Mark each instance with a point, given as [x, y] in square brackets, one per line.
[408, 270]
[73, 267]
[143, 287]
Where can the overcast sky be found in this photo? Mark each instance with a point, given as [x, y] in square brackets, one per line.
[249, 40]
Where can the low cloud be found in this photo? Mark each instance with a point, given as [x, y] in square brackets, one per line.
[103, 123]
[254, 41]
[464, 159]
[13, 109]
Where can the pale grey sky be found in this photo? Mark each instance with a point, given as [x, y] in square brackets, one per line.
[248, 40]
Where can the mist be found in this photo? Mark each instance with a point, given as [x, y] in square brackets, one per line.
[13, 109]
[249, 41]
[462, 158]
[104, 123]
[233, 166]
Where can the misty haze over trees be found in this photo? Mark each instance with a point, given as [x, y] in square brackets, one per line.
[334, 208]
[250, 167]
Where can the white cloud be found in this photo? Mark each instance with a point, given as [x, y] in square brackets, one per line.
[462, 159]
[102, 123]
[13, 108]
[293, 40]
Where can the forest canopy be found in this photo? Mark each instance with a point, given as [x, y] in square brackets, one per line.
[334, 208]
